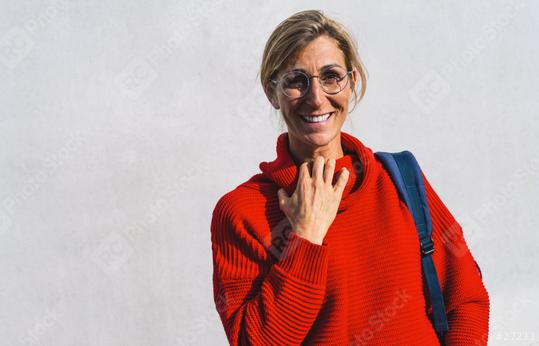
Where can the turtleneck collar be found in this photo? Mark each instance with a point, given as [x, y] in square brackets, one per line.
[357, 159]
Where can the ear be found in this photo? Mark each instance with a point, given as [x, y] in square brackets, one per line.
[353, 77]
[271, 96]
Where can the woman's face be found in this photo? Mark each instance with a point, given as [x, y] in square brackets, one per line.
[320, 52]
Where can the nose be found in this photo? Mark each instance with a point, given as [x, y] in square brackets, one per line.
[315, 94]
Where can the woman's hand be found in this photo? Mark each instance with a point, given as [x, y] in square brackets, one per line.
[313, 206]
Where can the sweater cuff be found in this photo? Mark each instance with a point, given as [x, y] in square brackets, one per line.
[305, 260]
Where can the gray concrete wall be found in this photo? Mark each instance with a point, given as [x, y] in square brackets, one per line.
[123, 122]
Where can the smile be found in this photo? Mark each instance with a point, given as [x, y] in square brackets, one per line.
[317, 119]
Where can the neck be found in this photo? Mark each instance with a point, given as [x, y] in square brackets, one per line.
[302, 152]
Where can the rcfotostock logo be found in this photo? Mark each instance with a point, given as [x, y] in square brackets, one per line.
[430, 91]
[435, 86]
[113, 252]
[15, 46]
[222, 301]
[379, 320]
[201, 322]
[20, 40]
[453, 237]
[136, 77]
[142, 71]
[276, 240]
[118, 247]
[33, 183]
[5, 222]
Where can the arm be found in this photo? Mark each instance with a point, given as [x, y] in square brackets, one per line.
[260, 303]
[466, 299]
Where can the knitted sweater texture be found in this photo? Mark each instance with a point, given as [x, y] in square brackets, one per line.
[362, 286]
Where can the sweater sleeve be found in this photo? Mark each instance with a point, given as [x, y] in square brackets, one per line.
[261, 303]
[466, 298]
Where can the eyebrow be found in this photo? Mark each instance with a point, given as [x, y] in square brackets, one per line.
[322, 68]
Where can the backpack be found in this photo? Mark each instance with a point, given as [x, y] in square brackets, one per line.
[406, 175]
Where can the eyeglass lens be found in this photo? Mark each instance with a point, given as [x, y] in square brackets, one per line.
[296, 83]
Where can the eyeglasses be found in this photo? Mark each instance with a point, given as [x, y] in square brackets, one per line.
[296, 83]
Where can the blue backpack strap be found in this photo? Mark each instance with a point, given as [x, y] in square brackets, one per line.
[406, 175]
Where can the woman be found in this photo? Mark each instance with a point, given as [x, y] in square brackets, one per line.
[317, 249]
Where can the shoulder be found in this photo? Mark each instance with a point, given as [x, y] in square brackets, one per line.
[245, 200]
[434, 200]
[240, 217]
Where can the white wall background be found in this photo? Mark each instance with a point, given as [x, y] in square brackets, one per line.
[123, 122]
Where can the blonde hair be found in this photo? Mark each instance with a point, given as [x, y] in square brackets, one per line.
[296, 32]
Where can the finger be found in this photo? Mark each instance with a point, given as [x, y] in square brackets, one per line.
[329, 170]
[304, 171]
[341, 181]
[283, 197]
[318, 168]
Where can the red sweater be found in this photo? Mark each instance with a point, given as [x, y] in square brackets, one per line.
[362, 286]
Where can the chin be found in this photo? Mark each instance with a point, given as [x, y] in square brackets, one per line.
[320, 138]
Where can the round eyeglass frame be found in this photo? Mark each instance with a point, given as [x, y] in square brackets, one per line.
[279, 85]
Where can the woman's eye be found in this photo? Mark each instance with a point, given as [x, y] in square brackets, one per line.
[295, 82]
[330, 76]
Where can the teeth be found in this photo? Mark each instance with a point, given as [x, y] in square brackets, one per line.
[317, 119]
